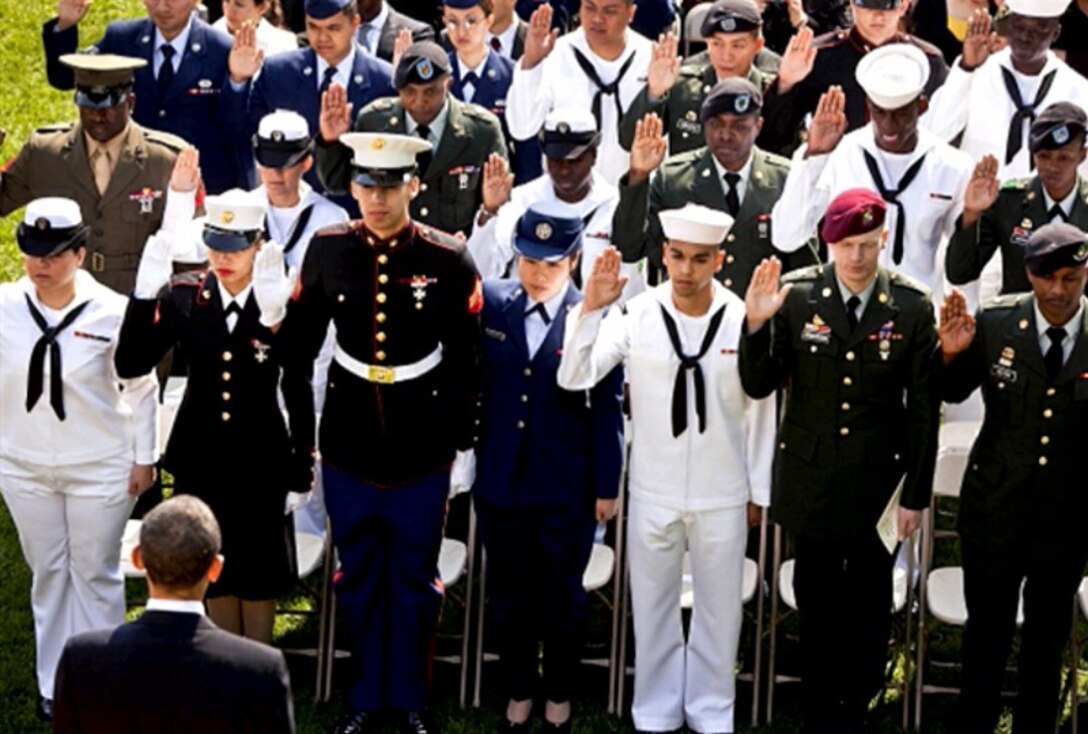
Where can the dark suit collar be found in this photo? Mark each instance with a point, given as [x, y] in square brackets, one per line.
[179, 621]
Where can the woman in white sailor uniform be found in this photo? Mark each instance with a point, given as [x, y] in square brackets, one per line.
[77, 443]
[229, 444]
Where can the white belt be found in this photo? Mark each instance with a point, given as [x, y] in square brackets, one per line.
[388, 375]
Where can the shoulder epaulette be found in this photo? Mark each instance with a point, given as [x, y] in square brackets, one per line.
[337, 229]
[905, 281]
[811, 272]
[440, 238]
[173, 142]
[687, 158]
[774, 159]
[692, 71]
[58, 127]
[1004, 301]
[1016, 184]
[833, 38]
[928, 48]
[191, 279]
[383, 103]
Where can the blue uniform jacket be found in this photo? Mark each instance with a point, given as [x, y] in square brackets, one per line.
[525, 155]
[191, 108]
[540, 445]
[289, 81]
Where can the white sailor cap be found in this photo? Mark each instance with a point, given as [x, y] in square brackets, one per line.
[1038, 8]
[893, 75]
[696, 224]
[383, 159]
[282, 139]
[235, 220]
[50, 225]
[569, 132]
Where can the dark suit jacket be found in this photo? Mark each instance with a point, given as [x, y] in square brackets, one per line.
[861, 407]
[170, 672]
[1023, 490]
[394, 22]
[191, 108]
[1006, 226]
[553, 446]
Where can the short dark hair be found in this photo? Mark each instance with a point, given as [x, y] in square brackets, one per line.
[179, 539]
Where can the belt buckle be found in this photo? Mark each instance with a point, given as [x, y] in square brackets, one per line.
[98, 262]
[377, 373]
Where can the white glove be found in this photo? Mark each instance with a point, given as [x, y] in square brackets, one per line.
[272, 285]
[156, 266]
[463, 472]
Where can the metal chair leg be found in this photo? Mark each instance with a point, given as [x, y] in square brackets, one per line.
[480, 630]
[466, 628]
[911, 550]
[929, 524]
[772, 652]
[757, 664]
[325, 646]
[616, 666]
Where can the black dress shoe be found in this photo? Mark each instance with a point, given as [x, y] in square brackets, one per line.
[553, 728]
[510, 727]
[359, 722]
[45, 709]
[419, 722]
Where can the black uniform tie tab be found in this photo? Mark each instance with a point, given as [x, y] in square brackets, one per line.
[233, 308]
[892, 197]
[1056, 212]
[48, 341]
[539, 308]
[1054, 357]
[687, 362]
[1024, 112]
[732, 198]
[613, 88]
[852, 304]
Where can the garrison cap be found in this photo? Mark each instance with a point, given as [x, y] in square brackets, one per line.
[542, 236]
[1057, 125]
[282, 139]
[569, 132]
[732, 96]
[696, 225]
[235, 220]
[1038, 8]
[893, 75]
[383, 160]
[731, 16]
[853, 212]
[102, 80]
[322, 9]
[1055, 246]
[51, 225]
[421, 63]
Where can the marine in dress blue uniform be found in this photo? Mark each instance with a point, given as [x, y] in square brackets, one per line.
[184, 100]
[405, 300]
[544, 454]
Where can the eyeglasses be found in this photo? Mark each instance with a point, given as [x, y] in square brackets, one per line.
[467, 24]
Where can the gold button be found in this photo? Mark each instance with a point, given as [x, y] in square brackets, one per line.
[1001, 386]
[847, 381]
[849, 356]
[419, 305]
[845, 407]
[226, 416]
[226, 377]
[423, 187]
[383, 278]
[424, 212]
[226, 396]
[527, 372]
[380, 318]
[782, 445]
[1048, 413]
[380, 356]
[844, 431]
[1050, 392]
[1044, 440]
[729, 259]
[524, 398]
[383, 259]
[380, 336]
[340, 298]
[731, 237]
[1042, 461]
[728, 282]
[381, 298]
[227, 356]
[521, 424]
[812, 348]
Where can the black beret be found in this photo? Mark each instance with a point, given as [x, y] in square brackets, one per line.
[421, 63]
[1055, 246]
[1057, 125]
[731, 16]
[732, 96]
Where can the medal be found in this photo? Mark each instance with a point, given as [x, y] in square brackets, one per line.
[260, 351]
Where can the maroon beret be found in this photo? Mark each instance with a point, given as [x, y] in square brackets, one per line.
[853, 212]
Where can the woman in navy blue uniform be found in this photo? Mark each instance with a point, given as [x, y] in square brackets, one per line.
[229, 445]
[548, 470]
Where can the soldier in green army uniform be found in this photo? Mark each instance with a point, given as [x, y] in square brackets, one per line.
[115, 169]
[729, 174]
[1003, 217]
[676, 92]
[464, 136]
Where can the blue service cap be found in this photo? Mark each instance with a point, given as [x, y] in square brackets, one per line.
[546, 236]
[322, 9]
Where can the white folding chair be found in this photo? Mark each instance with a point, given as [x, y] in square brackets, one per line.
[456, 561]
[693, 24]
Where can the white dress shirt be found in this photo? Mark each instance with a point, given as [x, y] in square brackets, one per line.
[1066, 204]
[1072, 331]
[227, 299]
[535, 326]
[178, 606]
[506, 39]
[343, 69]
[742, 184]
[437, 126]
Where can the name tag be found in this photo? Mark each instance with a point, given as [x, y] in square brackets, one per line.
[816, 334]
[495, 334]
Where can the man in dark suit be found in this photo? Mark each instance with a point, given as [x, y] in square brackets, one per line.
[179, 89]
[381, 24]
[853, 345]
[1002, 216]
[1022, 510]
[729, 173]
[463, 137]
[172, 670]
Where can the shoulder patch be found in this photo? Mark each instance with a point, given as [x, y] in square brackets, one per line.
[692, 71]
[384, 103]
[772, 159]
[899, 280]
[811, 272]
[1016, 184]
[685, 159]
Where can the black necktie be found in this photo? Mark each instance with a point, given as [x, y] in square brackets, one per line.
[852, 304]
[496, 44]
[166, 71]
[612, 88]
[48, 340]
[732, 200]
[1024, 112]
[892, 197]
[470, 78]
[326, 82]
[1054, 356]
[539, 308]
[423, 160]
[680, 386]
[1056, 212]
[233, 308]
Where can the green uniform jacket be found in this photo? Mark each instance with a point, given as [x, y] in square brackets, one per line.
[1020, 209]
[861, 408]
[449, 193]
[680, 107]
[1023, 490]
[54, 163]
[693, 177]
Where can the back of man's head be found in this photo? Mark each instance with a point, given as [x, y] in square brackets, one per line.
[179, 542]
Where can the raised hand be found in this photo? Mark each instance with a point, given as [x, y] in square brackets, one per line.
[797, 61]
[540, 39]
[647, 149]
[245, 58]
[156, 266]
[186, 174]
[977, 44]
[763, 297]
[828, 123]
[70, 12]
[957, 327]
[605, 284]
[981, 190]
[272, 284]
[404, 40]
[498, 183]
[335, 113]
[664, 66]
